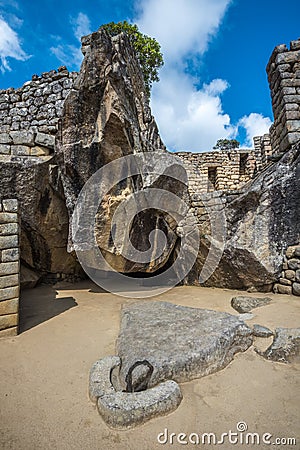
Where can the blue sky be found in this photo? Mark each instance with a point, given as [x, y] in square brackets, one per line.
[213, 84]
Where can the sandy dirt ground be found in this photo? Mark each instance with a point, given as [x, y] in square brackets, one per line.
[65, 329]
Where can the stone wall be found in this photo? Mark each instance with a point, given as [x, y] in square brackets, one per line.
[283, 72]
[289, 282]
[29, 115]
[9, 267]
[263, 150]
[218, 170]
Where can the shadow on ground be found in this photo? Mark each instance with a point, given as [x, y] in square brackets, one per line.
[36, 309]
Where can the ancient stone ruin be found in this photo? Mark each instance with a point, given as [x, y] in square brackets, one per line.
[60, 128]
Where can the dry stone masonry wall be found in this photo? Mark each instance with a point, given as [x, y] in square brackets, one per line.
[289, 283]
[29, 115]
[9, 267]
[218, 171]
[263, 150]
[284, 79]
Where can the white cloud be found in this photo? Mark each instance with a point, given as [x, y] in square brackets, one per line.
[10, 46]
[255, 125]
[181, 27]
[70, 54]
[81, 25]
[189, 113]
[190, 118]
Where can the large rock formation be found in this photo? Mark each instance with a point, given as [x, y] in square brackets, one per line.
[35, 182]
[180, 343]
[261, 223]
[107, 116]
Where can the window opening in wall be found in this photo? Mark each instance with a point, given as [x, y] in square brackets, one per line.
[212, 179]
[243, 163]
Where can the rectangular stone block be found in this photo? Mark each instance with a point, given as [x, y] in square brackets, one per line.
[8, 217]
[293, 125]
[24, 137]
[288, 57]
[10, 255]
[45, 140]
[39, 151]
[9, 268]
[9, 306]
[4, 149]
[288, 90]
[291, 98]
[292, 115]
[11, 320]
[20, 150]
[8, 293]
[10, 205]
[8, 229]
[9, 241]
[9, 332]
[286, 75]
[9, 280]
[283, 67]
[291, 82]
[293, 137]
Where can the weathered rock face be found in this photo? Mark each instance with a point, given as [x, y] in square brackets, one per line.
[36, 184]
[180, 343]
[246, 304]
[261, 331]
[261, 223]
[107, 116]
[285, 347]
[123, 410]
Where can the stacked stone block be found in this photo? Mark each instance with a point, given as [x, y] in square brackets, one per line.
[283, 72]
[289, 282]
[9, 267]
[25, 143]
[227, 167]
[263, 149]
[29, 115]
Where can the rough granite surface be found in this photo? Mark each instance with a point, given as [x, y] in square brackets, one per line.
[285, 347]
[181, 343]
[123, 410]
[246, 304]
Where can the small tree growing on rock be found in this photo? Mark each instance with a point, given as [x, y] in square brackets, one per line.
[226, 144]
[147, 50]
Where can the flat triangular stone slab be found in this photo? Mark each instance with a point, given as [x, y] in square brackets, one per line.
[181, 343]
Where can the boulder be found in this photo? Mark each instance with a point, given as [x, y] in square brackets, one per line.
[282, 289]
[181, 343]
[296, 289]
[36, 183]
[285, 346]
[294, 263]
[260, 331]
[262, 223]
[122, 410]
[246, 304]
[106, 117]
